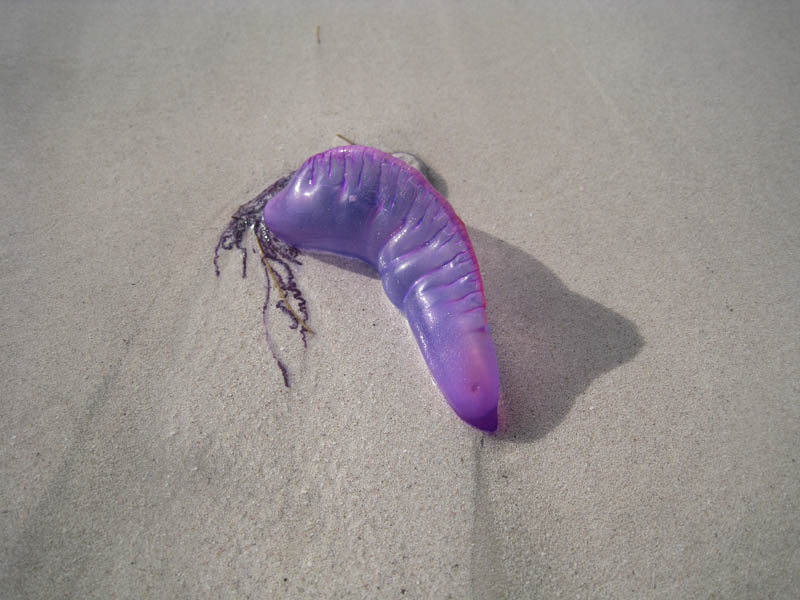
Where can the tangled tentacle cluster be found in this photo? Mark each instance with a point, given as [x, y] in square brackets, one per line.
[278, 259]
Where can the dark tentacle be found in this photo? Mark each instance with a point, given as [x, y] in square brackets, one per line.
[278, 259]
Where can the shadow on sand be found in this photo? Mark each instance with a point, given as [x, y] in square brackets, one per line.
[551, 343]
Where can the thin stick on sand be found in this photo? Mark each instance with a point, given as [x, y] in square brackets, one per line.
[340, 136]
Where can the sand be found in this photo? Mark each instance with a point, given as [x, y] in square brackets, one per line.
[629, 178]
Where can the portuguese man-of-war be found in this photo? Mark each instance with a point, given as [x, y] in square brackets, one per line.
[360, 202]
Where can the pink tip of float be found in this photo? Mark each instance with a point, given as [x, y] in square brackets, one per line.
[487, 422]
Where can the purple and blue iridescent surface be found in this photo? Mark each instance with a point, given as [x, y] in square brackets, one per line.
[360, 202]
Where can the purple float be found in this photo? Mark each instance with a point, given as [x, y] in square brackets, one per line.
[360, 202]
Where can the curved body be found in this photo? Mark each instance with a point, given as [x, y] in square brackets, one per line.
[361, 202]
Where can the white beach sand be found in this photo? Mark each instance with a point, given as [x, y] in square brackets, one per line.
[629, 176]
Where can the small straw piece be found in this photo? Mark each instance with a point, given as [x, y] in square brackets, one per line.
[340, 136]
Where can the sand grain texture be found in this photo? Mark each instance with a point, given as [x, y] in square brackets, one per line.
[629, 178]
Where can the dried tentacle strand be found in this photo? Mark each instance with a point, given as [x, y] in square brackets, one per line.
[278, 258]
